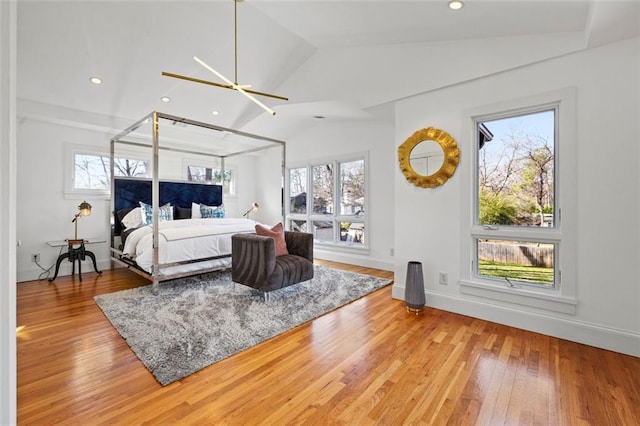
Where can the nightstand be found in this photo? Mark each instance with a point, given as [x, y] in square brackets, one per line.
[76, 251]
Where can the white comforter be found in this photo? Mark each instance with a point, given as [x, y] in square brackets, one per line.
[187, 239]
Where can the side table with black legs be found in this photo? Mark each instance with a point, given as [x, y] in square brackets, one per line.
[76, 251]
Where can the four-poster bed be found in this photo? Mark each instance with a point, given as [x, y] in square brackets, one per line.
[166, 228]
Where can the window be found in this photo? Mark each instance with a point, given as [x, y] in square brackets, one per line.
[298, 191]
[515, 217]
[208, 174]
[328, 199]
[89, 173]
[92, 171]
[323, 189]
[519, 239]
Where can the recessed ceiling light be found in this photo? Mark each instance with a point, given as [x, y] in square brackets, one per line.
[215, 112]
[165, 99]
[456, 4]
[96, 80]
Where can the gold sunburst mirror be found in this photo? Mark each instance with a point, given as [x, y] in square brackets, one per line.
[429, 157]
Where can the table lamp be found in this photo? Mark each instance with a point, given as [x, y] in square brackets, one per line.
[85, 210]
[253, 207]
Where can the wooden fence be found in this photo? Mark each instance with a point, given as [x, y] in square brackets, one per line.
[519, 254]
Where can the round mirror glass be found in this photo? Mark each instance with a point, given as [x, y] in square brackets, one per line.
[426, 158]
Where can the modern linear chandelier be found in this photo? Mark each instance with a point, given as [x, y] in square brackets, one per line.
[233, 85]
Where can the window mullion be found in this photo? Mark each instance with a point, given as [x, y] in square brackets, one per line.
[337, 188]
[309, 190]
[539, 234]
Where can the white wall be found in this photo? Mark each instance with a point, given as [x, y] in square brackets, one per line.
[268, 194]
[427, 221]
[331, 139]
[7, 212]
[45, 213]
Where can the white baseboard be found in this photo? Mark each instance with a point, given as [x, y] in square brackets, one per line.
[353, 259]
[591, 334]
[34, 273]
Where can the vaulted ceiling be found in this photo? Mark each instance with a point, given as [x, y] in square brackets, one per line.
[339, 59]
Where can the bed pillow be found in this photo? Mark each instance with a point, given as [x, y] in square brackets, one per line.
[181, 213]
[195, 211]
[118, 227]
[165, 213]
[277, 233]
[209, 212]
[133, 219]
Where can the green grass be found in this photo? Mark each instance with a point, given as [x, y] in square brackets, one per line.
[527, 274]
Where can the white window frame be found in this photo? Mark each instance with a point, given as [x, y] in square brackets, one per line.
[70, 191]
[561, 298]
[336, 217]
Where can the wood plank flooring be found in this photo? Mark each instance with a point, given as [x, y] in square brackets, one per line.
[369, 362]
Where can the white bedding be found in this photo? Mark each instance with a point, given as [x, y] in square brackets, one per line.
[187, 239]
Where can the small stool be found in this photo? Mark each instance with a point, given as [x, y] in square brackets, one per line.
[414, 288]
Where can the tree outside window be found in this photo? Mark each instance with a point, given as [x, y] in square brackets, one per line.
[352, 187]
[323, 189]
[298, 190]
[93, 172]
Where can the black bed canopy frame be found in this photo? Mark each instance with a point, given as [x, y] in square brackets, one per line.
[244, 143]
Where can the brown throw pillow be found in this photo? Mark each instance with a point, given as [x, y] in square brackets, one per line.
[277, 233]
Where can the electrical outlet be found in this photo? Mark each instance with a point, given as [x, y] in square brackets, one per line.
[443, 278]
[35, 257]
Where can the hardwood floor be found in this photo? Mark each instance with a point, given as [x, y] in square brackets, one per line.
[369, 362]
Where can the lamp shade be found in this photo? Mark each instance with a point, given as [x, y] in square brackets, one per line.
[85, 208]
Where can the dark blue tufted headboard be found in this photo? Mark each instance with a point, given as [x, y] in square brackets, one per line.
[129, 192]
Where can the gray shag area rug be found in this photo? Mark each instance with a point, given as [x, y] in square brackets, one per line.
[191, 323]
